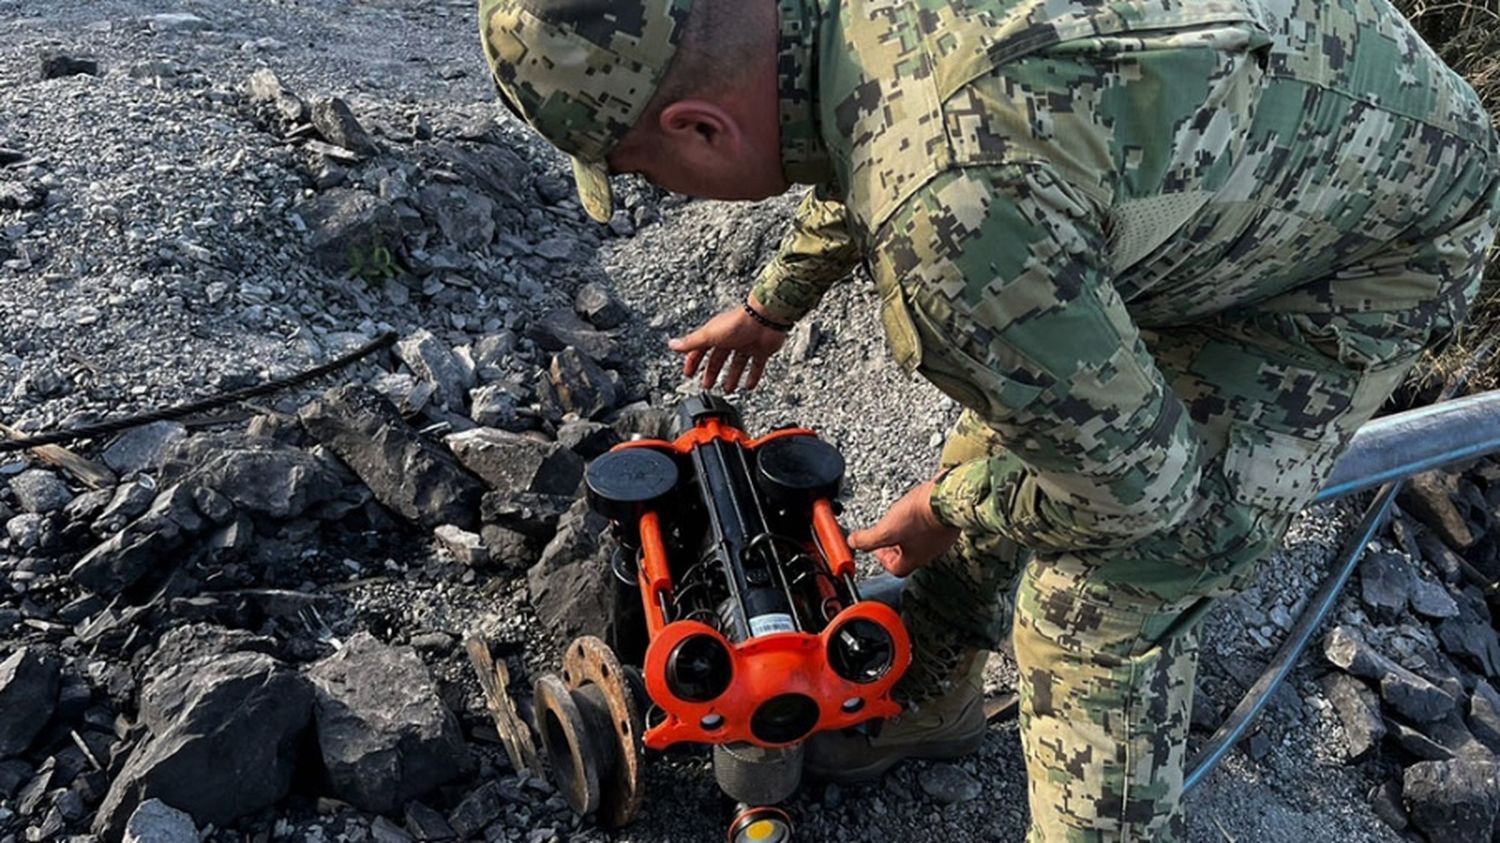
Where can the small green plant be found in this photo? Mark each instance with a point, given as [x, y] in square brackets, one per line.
[372, 262]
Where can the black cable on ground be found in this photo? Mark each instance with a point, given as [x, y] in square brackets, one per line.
[90, 431]
[1255, 699]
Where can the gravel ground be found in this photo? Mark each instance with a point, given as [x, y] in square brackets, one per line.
[168, 260]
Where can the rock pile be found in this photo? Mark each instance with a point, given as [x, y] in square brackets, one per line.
[172, 646]
[119, 704]
[1418, 668]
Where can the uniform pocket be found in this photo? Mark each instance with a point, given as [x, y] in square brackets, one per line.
[900, 333]
[922, 345]
[1277, 471]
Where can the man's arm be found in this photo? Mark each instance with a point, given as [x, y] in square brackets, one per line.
[1001, 298]
[815, 254]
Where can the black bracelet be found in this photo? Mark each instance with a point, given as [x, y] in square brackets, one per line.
[769, 323]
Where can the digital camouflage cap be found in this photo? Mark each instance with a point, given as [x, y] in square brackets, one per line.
[581, 72]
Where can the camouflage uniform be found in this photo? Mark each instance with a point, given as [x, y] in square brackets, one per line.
[1168, 254]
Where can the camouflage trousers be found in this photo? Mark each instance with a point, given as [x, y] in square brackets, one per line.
[1106, 642]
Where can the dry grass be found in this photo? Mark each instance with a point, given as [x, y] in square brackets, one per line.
[1467, 36]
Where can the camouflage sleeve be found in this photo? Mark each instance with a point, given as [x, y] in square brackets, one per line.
[994, 288]
[816, 254]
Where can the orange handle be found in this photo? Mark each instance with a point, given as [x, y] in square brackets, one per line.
[831, 538]
[656, 579]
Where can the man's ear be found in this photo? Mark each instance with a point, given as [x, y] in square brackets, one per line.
[699, 122]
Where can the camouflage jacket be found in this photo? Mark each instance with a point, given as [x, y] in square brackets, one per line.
[1031, 182]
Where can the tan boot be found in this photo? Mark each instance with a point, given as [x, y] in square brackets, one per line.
[941, 729]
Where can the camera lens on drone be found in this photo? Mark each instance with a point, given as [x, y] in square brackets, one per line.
[698, 669]
[861, 651]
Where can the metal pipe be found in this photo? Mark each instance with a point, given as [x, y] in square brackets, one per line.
[1415, 441]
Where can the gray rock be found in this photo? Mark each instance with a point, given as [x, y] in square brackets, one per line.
[640, 420]
[247, 707]
[806, 335]
[130, 501]
[465, 217]
[1358, 710]
[141, 448]
[1417, 743]
[25, 531]
[477, 810]
[462, 545]
[1470, 637]
[1432, 600]
[587, 439]
[1345, 648]
[557, 248]
[148, 542]
[1385, 585]
[598, 305]
[508, 548]
[1484, 714]
[1448, 563]
[571, 587]
[154, 821]
[21, 196]
[88, 506]
[409, 395]
[496, 406]
[40, 491]
[1429, 498]
[434, 643]
[351, 230]
[1407, 693]
[55, 65]
[177, 22]
[1413, 697]
[949, 784]
[266, 88]
[1453, 801]
[337, 125]
[1385, 800]
[271, 479]
[418, 480]
[575, 384]
[29, 682]
[1453, 734]
[434, 362]
[383, 830]
[492, 349]
[198, 641]
[384, 733]
[560, 328]
[13, 774]
[535, 516]
[426, 824]
[512, 463]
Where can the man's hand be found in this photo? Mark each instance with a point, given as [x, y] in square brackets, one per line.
[908, 536]
[734, 337]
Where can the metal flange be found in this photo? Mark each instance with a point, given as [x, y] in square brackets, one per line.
[591, 721]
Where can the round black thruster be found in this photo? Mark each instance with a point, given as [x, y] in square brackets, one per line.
[698, 669]
[802, 468]
[784, 718]
[861, 651]
[623, 485]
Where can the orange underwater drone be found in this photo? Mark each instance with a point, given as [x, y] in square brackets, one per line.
[756, 635]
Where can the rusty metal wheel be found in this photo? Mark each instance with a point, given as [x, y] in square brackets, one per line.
[591, 724]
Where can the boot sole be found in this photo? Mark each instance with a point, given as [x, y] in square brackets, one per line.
[946, 750]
